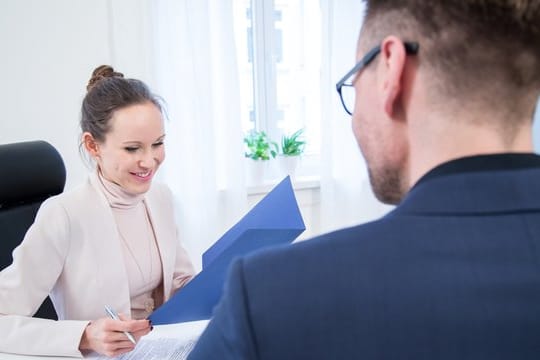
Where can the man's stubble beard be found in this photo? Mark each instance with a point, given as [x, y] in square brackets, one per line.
[387, 184]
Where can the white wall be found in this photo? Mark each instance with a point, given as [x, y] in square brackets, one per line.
[49, 49]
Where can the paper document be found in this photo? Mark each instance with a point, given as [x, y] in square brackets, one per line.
[156, 349]
[275, 220]
[164, 342]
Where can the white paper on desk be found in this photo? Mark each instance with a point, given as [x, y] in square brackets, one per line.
[173, 341]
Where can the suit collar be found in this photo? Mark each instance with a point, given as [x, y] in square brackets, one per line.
[482, 163]
[498, 183]
[167, 249]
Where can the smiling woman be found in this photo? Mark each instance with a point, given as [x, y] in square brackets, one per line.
[134, 148]
[110, 242]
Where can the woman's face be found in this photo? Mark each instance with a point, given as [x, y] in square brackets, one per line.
[133, 148]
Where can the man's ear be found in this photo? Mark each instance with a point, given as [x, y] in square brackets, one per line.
[392, 63]
[90, 144]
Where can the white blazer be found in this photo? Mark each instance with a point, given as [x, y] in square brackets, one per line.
[73, 253]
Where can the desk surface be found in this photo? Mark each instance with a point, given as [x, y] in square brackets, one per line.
[170, 338]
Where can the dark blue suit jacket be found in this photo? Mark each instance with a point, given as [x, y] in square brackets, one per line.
[453, 272]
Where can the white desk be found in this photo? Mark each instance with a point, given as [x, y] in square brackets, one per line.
[162, 341]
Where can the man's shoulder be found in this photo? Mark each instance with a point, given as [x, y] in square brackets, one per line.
[361, 240]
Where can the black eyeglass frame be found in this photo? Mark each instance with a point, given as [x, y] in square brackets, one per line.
[411, 48]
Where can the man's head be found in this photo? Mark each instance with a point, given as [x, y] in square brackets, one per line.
[478, 62]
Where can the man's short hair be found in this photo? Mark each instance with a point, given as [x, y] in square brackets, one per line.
[468, 44]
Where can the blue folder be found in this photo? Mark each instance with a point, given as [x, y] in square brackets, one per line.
[275, 220]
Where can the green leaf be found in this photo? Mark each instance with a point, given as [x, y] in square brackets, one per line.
[291, 145]
[259, 146]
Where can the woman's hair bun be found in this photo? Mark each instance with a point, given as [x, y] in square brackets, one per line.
[102, 72]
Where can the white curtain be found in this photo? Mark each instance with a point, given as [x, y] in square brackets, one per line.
[536, 127]
[196, 73]
[346, 195]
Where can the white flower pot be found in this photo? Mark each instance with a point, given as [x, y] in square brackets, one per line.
[288, 164]
[256, 171]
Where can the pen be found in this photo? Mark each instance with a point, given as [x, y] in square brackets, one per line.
[114, 316]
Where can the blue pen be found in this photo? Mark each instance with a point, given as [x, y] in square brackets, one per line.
[114, 316]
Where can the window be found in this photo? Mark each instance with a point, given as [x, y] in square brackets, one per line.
[279, 56]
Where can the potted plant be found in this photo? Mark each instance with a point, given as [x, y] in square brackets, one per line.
[292, 146]
[260, 148]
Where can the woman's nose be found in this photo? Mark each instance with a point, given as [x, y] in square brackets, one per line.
[146, 160]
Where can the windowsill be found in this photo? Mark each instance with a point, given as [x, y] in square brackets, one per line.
[299, 183]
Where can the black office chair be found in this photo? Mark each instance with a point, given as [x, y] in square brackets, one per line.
[31, 172]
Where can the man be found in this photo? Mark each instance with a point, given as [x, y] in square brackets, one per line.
[445, 93]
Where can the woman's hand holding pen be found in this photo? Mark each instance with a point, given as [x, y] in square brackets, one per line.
[106, 336]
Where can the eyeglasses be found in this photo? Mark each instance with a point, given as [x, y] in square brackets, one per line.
[346, 90]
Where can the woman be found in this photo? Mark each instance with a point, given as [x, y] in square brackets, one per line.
[110, 242]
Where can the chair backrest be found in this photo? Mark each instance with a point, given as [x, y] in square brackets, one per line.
[31, 172]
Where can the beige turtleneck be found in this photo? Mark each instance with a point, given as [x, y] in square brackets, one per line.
[140, 252]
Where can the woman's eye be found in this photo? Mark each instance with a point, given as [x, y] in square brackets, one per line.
[130, 149]
[158, 144]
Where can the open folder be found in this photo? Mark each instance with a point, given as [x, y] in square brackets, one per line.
[276, 219]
